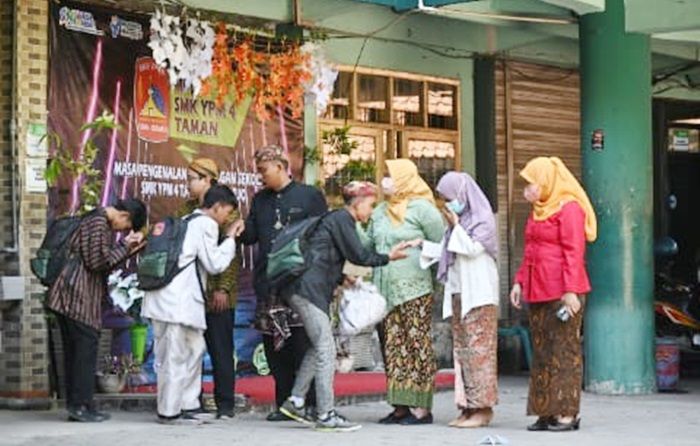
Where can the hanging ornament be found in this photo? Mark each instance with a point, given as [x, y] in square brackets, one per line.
[319, 87]
[183, 49]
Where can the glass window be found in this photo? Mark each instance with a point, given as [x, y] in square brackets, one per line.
[390, 116]
[372, 95]
[433, 158]
[339, 107]
[407, 103]
[442, 106]
[341, 168]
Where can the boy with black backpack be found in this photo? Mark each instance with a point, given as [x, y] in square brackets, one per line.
[177, 310]
[77, 275]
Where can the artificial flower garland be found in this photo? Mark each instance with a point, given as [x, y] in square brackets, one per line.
[184, 48]
[205, 61]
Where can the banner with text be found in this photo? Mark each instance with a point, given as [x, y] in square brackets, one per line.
[100, 61]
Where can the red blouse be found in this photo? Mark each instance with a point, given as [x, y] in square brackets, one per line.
[554, 260]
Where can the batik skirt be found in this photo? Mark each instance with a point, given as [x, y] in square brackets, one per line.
[556, 376]
[475, 343]
[410, 359]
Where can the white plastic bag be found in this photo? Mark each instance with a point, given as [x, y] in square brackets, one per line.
[361, 306]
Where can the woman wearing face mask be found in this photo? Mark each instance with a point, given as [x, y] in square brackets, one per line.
[468, 270]
[408, 214]
[553, 280]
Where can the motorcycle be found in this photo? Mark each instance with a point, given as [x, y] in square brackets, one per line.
[676, 303]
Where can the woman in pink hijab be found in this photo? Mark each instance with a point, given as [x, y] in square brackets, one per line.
[468, 270]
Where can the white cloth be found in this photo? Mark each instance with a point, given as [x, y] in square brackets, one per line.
[181, 301]
[473, 275]
[178, 364]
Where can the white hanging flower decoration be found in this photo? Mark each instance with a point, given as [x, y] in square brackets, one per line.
[320, 87]
[184, 53]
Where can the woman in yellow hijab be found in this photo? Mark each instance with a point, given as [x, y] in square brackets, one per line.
[557, 186]
[408, 214]
[553, 281]
[407, 185]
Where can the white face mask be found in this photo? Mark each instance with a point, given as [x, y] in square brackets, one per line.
[388, 186]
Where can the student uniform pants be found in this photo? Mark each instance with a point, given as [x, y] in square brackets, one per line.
[179, 351]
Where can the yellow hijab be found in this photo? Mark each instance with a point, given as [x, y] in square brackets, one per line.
[558, 186]
[408, 185]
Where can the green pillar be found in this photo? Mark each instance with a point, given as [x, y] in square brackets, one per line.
[616, 98]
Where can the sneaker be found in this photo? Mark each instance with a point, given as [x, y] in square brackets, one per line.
[104, 415]
[83, 415]
[277, 416]
[199, 414]
[334, 422]
[184, 419]
[225, 415]
[295, 413]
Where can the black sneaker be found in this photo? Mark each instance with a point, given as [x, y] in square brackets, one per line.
[104, 415]
[295, 413]
[334, 422]
[83, 415]
[225, 415]
[199, 414]
[184, 419]
[277, 416]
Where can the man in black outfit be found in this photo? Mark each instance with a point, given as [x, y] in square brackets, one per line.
[281, 202]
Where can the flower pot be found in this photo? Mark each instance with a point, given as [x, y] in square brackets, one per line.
[111, 383]
[139, 334]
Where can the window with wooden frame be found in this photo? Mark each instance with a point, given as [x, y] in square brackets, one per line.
[389, 115]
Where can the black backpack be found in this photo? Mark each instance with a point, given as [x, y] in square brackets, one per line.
[288, 258]
[158, 264]
[54, 252]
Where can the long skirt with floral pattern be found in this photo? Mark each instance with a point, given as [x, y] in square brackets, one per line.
[410, 359]
[557, 365]
[475, 341]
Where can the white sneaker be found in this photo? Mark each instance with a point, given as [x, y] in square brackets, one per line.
[334, 422]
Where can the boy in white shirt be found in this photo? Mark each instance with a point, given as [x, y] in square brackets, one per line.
[177, 311]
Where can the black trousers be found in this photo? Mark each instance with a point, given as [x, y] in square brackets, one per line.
[285, 363]
[80, 344]
[219, 338]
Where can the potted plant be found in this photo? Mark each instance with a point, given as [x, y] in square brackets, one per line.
[126, 295]
[80, 169]
[112, 375]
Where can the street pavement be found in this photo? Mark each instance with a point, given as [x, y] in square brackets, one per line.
[661, 419]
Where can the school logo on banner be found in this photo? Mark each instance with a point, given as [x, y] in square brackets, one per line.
[151, 101]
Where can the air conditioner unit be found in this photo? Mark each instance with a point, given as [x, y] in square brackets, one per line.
[13, 288]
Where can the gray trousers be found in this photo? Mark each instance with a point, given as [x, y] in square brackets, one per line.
[319, 361]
